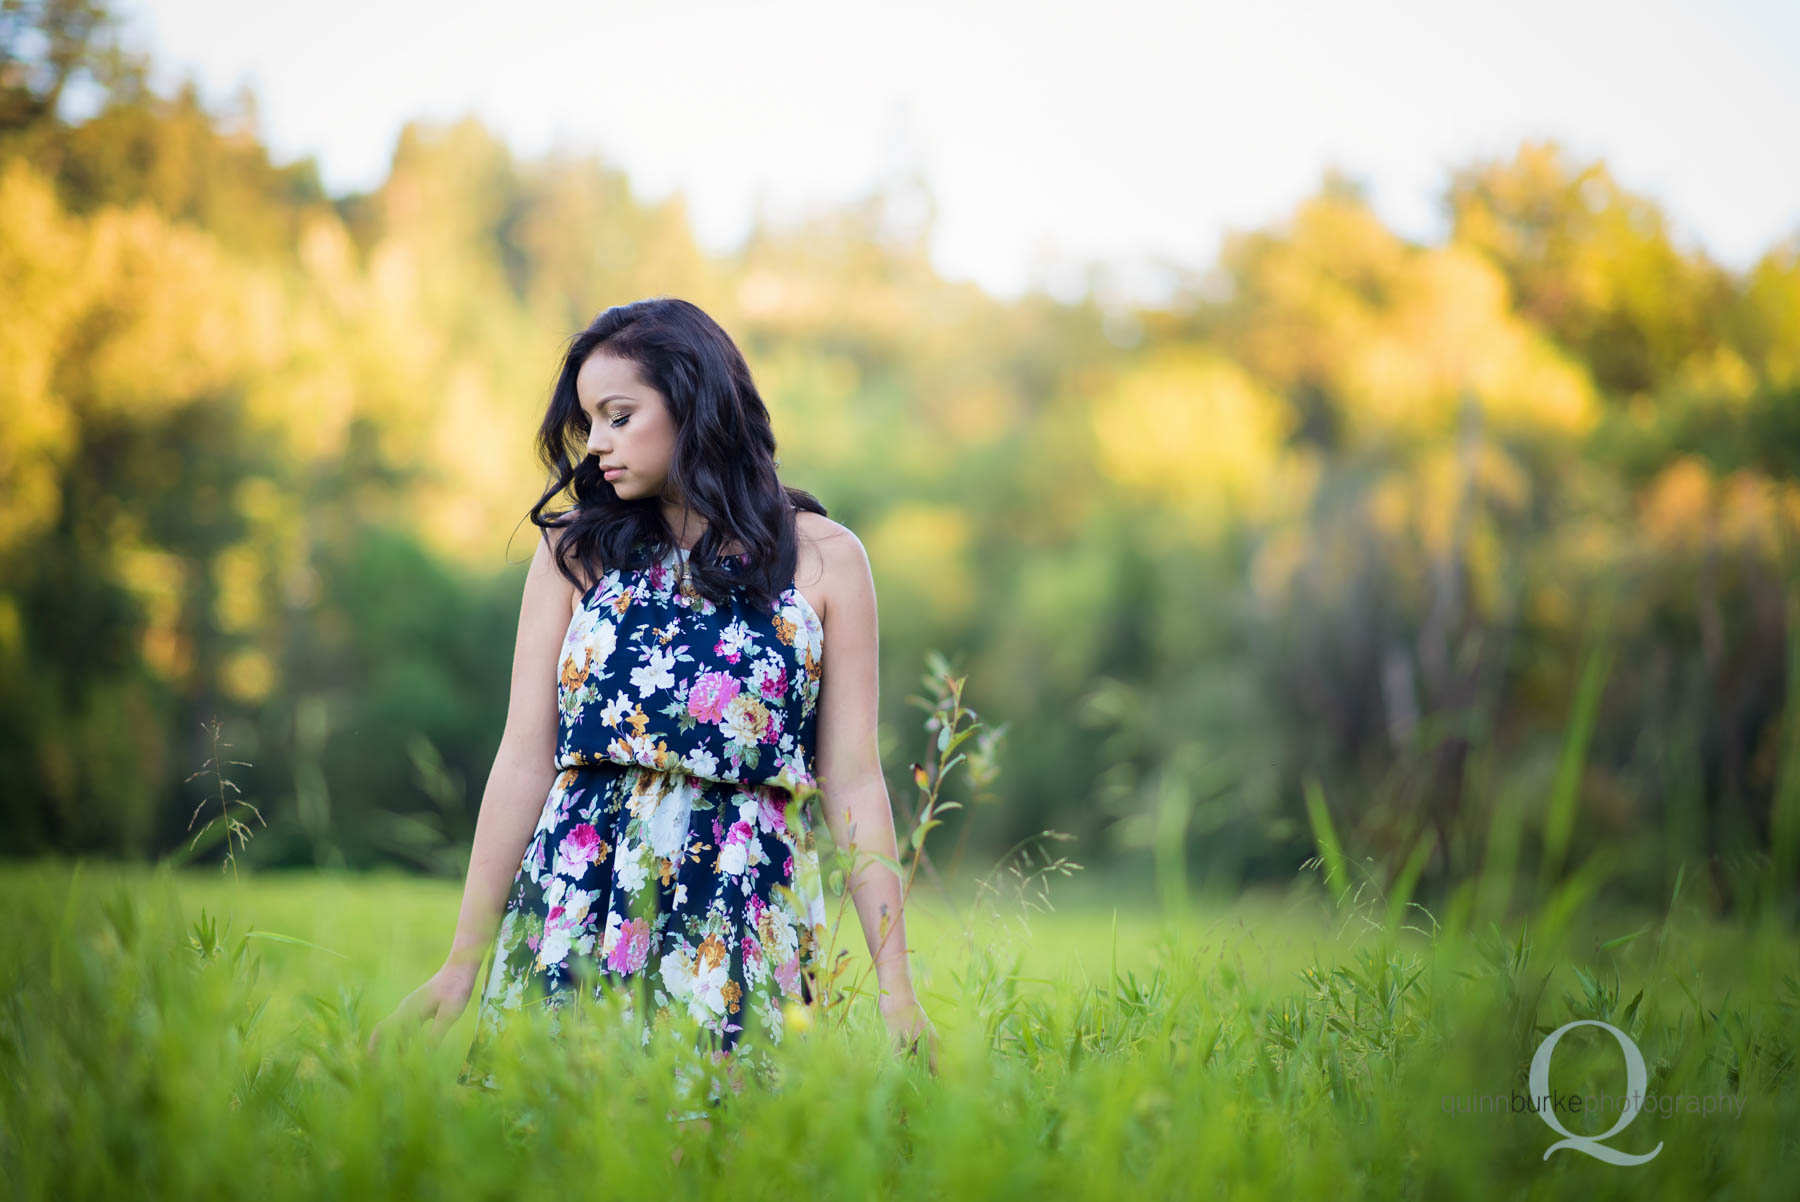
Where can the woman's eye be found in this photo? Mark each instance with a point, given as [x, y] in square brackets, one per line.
[616, 422]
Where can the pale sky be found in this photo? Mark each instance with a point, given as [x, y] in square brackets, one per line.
[1049, 134]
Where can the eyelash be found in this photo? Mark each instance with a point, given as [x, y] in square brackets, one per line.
[616, 422]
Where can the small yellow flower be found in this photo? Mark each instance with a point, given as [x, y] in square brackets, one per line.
[796, 1016]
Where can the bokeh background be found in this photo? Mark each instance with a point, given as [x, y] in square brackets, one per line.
[1397, 414]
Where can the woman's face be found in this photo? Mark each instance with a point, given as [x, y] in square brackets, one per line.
[631, 428]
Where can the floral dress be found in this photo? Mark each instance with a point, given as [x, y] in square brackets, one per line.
[671, 862]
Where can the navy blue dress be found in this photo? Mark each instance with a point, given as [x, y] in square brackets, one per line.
[671, 862]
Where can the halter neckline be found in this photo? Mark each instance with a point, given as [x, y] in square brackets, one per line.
[687, 553]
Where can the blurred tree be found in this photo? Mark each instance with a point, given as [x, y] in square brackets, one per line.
[1342, 511]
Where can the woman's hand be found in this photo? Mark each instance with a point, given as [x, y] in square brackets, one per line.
[907, 1022]
[439, 1001]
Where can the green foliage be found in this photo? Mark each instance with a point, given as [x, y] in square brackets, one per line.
[160, 1042]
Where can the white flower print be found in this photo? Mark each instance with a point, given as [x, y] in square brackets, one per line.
[553, 948]
[677, 974]
[629, 870]
[732, 859]
[740, 849]
[598, 634]
[734, 641]
[702, 763]
[668, 824]
[616, 710]
[698, 977]
[656, 672]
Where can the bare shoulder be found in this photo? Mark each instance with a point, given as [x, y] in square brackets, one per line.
[548, 559]
[831, 563]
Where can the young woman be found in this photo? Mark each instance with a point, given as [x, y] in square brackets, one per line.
[696, 646]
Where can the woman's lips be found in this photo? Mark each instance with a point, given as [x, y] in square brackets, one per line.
[613, 473]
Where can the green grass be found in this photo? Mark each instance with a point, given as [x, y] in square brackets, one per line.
[1272, 1046]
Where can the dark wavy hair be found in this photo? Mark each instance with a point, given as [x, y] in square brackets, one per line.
[723, 467]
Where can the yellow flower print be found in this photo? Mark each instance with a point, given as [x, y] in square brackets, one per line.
[747, 718]
[574, 670]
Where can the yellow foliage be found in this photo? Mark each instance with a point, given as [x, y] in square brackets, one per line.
[1751, 514]
[182, 321]
[1395, 333]
[37, 245]
[12, 627]
[1773, 288]
[920, 555]
[1686, 509]
[327, 253]
[1721, 374]
[1309, 289]
[1193, 431]
[980, 413]
[156, 579]
[1677, 505]
[1450, 328]
[1390, 506]
[238, 574]
[248, 675]
[1421, 502]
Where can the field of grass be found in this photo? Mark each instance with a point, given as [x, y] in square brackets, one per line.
[1273, 1046]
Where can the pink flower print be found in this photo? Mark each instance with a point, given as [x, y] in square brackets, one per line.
[579, 848]
[787, 975]
[771, 679]
[752, 951]
[711, 694]
[734, 852]
[733, 641]
[771, 810]
[633, 947]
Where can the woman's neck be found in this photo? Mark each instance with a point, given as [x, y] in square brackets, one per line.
[687, 527]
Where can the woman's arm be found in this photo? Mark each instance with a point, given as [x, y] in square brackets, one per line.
[517, 785]
[848, 762]
[524, 766]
